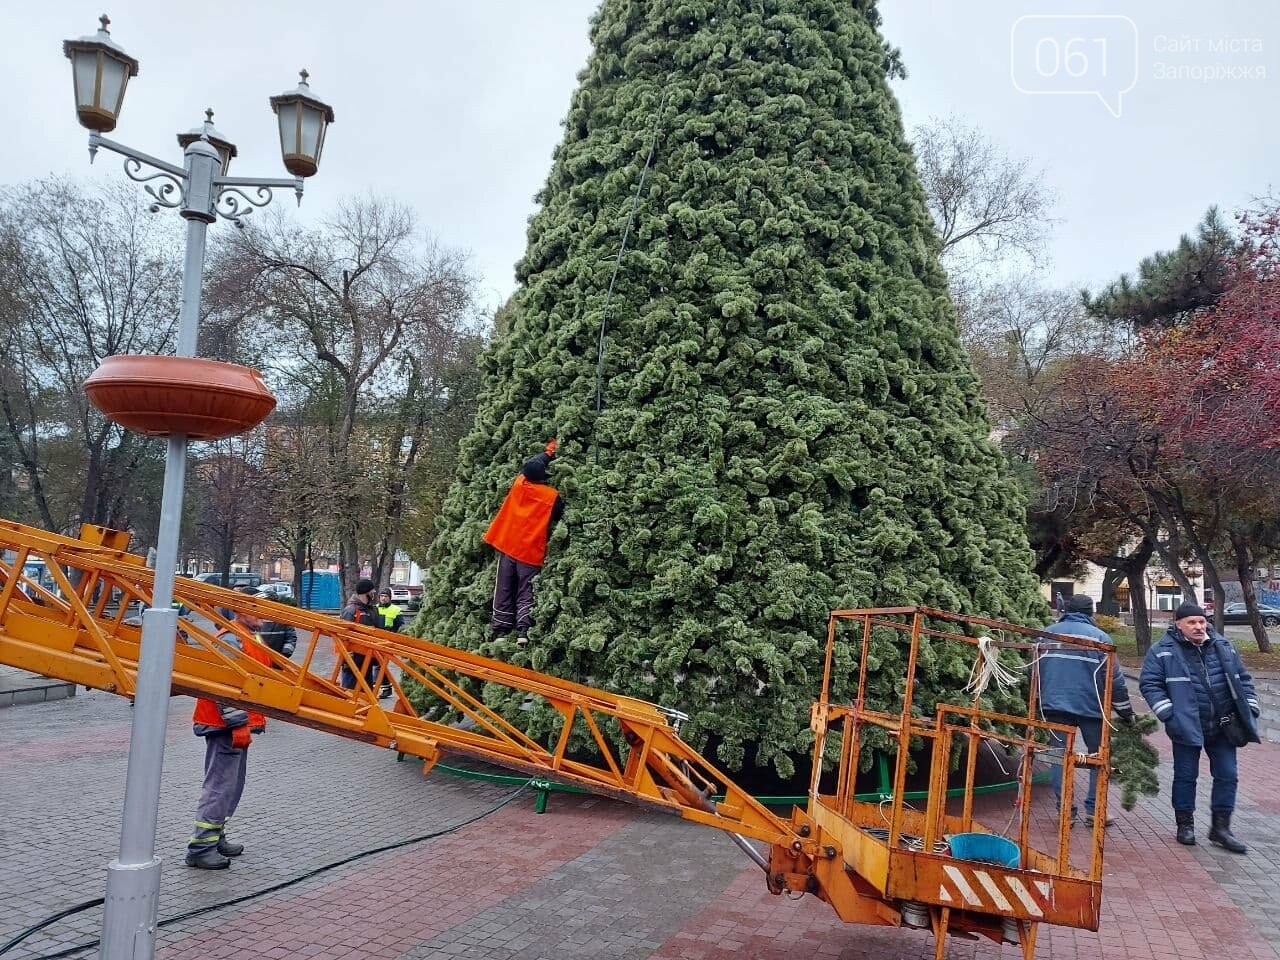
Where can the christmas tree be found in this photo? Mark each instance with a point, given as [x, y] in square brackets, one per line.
[789, 423]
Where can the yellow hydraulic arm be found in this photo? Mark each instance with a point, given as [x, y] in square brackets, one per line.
[82, 632]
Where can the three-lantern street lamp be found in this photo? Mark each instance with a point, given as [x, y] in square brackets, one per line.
[201, 190]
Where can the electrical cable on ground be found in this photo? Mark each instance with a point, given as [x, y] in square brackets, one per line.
[209, 908]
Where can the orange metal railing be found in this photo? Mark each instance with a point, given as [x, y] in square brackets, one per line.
[952, 893]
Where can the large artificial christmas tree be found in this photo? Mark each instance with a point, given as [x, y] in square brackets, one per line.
[789, 422]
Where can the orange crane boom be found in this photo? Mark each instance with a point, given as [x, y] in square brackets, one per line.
[79, 631]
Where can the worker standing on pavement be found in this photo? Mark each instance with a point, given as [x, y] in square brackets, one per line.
[1198, 687]
[227, 733]
[391, 619]
[360, 609]
[1071, 679]
[280, 637]
[389, 615]
[519, 533]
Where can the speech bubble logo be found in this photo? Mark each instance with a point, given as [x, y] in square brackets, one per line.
[1075, 54]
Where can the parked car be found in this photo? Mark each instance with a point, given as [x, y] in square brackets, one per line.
[279, 589]
[1236, 613]
[400, 594]
[237, 580]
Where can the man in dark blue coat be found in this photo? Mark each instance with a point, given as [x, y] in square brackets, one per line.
[1198, 687]
[1071, 686]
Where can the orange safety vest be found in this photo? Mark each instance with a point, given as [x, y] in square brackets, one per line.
[207, 714]
[520, 528]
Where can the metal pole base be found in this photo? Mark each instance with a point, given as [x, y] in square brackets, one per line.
[129, 916]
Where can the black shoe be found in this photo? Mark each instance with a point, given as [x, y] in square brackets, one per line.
[208, 859]
[1220, 833]
[229, 849]
[1186, 820]
[385, 692]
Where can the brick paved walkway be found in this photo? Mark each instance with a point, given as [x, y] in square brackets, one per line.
[591, 878]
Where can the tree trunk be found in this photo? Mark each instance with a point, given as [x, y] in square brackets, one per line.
[1170, 551]
[226, 552]
[1200, 547]
[1111, 578]
[30, 463]
[349, 563]
[92, 480]
[1138, 605]
[298, 554]
[1046, 561]
[1244, 569]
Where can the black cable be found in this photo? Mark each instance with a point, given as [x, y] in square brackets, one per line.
[209, 908]
[617, 263]
[49, 921]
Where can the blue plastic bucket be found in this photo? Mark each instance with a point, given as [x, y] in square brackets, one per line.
[986, 848]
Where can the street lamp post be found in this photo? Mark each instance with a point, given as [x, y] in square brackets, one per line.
[201, 191]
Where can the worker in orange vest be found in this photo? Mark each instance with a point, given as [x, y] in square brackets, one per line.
[227, 733]
[519, 533]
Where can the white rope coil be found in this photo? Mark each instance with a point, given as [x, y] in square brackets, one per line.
[987, 667]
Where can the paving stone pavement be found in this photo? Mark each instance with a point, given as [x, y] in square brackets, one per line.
[590, 878]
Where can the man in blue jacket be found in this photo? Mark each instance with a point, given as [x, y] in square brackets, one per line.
[1199, 689]
[1071, 690]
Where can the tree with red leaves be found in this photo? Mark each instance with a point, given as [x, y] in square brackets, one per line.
[1179, 435]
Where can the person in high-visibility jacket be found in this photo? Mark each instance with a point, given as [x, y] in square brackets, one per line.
[390, 616]
[519, 533]
[227, 733]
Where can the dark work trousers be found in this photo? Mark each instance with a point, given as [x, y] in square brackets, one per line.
[1091, 727]
[224, 768]
[513, 596]
[1222, 766]
[367, 664]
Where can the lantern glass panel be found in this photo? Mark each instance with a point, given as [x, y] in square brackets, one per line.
[312, 131]
[84, 66]
[114, 75]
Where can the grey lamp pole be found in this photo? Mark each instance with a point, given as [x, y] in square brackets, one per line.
[201, 192]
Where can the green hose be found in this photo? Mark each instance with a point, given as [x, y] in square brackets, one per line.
[544, 788]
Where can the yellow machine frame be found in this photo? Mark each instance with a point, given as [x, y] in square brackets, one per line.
[829, 850]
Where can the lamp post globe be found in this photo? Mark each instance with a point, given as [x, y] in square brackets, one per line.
[100, 70]
[303, 121]
[207, 131]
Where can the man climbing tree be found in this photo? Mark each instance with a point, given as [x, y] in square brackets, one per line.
[519, 533]
[787, 422]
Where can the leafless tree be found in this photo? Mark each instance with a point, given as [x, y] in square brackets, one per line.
[85, 273]
[374, 305]
[985, 203]
[229, 493]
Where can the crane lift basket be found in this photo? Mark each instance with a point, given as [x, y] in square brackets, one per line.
[884, 863]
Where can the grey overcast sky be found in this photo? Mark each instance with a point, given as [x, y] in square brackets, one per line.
[454, 107]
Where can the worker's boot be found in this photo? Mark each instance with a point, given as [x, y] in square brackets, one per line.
[229, 849]
[1220, 833]
[208, 859]
[1186, 820]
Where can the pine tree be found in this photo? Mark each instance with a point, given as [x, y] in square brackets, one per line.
[1172, 285]
[789, 422]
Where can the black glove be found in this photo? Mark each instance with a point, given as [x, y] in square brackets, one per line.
[287, 649]
[1127, 718]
